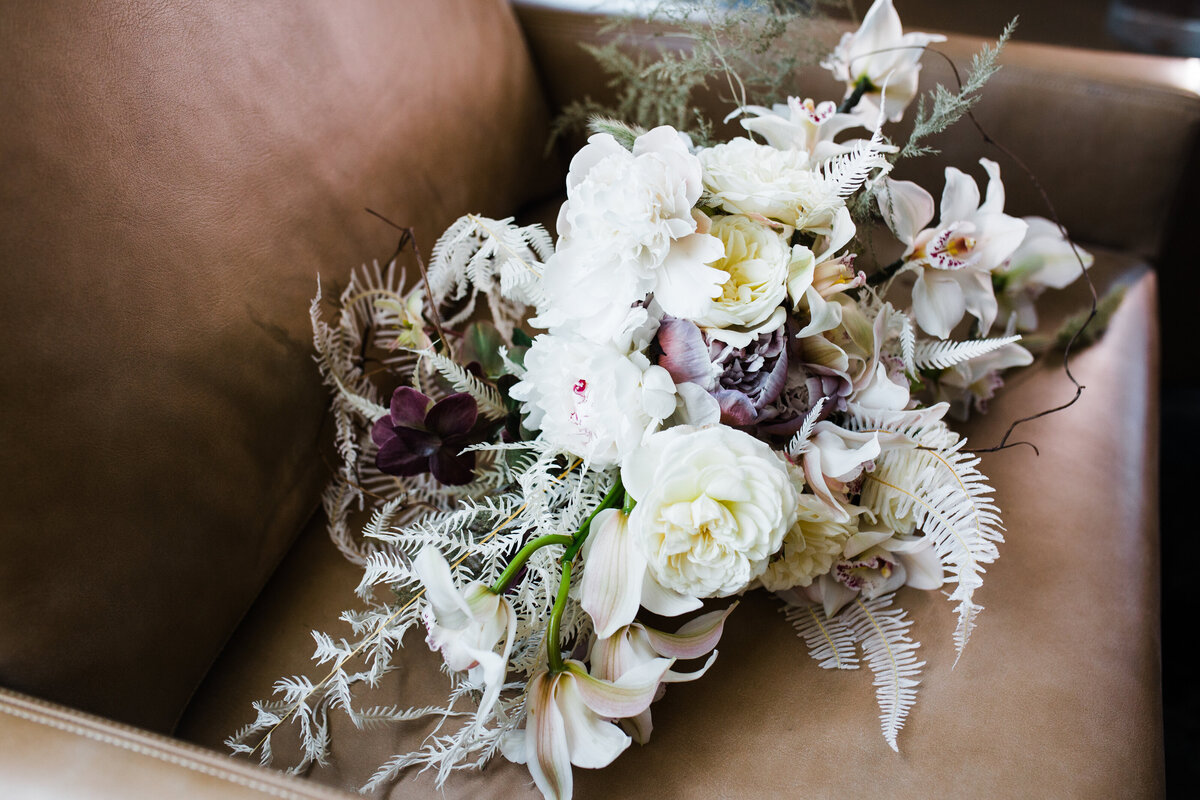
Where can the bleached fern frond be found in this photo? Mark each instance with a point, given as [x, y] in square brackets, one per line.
[891, 655]
[491, 404]
[908, 344]
[937, 487]
[495, 257]
[846, 172]
[947, 353]
[830, 641]
[799, 442]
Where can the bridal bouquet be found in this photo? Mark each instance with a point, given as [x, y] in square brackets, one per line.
[724, 398]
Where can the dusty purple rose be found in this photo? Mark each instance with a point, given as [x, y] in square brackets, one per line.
[419, 435]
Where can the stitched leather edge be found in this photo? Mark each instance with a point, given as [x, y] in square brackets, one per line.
[125, 737]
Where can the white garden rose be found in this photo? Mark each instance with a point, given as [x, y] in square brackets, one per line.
[745, 177]
[713, 505]
[592, 399]
[757, 258]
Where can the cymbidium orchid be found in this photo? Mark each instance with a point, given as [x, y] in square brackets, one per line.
[876, 561]
[568, 721]
[1045, 259]
[804, 125]
[633, 646]
[880, 61]
[971, 384]
[953, 260]
[465, 625]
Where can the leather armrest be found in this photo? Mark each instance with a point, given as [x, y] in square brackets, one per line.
[1109, 135]
[49, 751]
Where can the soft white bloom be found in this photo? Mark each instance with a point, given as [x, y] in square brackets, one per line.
[616, 582]
[568, 721]
[756, 258]
[632, 646]
[628, 229]
[753, 179]
[881, 54]
[465, 626]
[971, 384]
[1045, 259]
[713, 504]
[820, 268]
[803, 125]
[954, 259]
[832, 457]
[811, 547]
[591, 399]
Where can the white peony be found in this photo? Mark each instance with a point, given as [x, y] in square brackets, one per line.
[745, 177]
[627, 229]
[757, 258]
[592, 399]
[713, 505]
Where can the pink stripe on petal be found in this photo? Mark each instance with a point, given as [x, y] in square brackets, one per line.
[694, 639]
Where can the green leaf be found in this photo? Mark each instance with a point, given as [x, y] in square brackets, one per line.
[482, 342]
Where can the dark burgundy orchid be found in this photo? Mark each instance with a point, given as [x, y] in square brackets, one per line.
[419, 435]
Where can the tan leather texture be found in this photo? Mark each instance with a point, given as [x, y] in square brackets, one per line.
[47, 751]
[1056, 695]
[1107, 134]
[176, 176]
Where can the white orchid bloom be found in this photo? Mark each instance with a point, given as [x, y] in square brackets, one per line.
[953, 260]
[568, 721]
[881, 54]
[831, 458]
[466, 625]
[973, 383]
[803, 125]
[617, 582]
[1045, 259]
[632, 646]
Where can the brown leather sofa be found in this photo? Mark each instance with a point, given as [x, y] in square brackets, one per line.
[176, 176]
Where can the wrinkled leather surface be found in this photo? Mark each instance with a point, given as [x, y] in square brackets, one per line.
[1107, 135]
[50, 751]
[176, 175]
[1057, 692]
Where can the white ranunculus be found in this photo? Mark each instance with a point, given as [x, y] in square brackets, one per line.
[591, 399]
[748, 178]
[713, 505]
[757, 258]
[627, 229]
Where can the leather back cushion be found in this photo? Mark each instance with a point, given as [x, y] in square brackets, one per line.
[175, 177]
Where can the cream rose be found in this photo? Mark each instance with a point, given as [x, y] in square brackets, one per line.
[745, 177]
[713, 505]
[757, 258]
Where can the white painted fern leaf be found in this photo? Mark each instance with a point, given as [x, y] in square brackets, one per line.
[799, 442]
[846, 172]
[830, 641]
[945, 354]
[891, 655]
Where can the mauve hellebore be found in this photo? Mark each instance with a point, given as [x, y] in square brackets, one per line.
[419, 435]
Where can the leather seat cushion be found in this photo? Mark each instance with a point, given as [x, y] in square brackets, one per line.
[176, 175]
[1056, 693]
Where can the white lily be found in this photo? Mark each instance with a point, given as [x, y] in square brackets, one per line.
[617, 581]
[955, 258]
[568, 721]
[465, 626]
[634, 645]
[880, 53]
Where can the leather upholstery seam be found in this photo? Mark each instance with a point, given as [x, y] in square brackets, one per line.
[124, 742]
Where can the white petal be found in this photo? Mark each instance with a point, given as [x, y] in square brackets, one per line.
[434, 574]
[686, 284]
[937, 303]
[994, 201]
[960, 198]
[694, 639]
[546, 750]
[665, 602]
[592, 742]
[696, 406]
[611, 589]
[863, 541]
[924, 569]
[631, 694]
[840, 458]
[906, 207]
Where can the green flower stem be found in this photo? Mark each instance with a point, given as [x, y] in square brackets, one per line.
[862, 87]
[553, 650]
[628, 505]
[523, 555]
